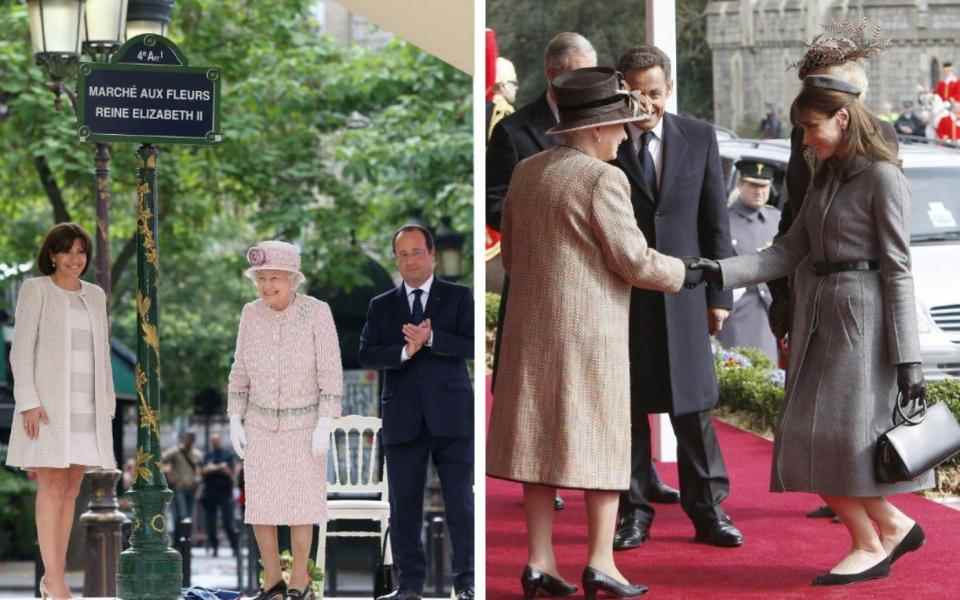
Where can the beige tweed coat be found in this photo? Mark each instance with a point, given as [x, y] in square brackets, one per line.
[572, 249]
[40, 358]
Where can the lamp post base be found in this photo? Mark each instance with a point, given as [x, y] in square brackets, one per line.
[150, 569]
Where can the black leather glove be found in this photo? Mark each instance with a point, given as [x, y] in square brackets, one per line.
[693, 277]
[708, 268]
[910, 381]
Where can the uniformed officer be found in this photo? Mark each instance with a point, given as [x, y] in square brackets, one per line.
[753, 225]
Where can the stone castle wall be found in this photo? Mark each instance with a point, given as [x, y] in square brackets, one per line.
[753, 41]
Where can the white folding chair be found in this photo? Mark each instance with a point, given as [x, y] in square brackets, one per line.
[353, 460]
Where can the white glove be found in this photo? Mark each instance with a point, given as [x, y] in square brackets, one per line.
[321, 437]
[238, 438]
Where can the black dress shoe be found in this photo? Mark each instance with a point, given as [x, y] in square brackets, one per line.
[822, 512]
[466, 594]
[662, 493]
[720, 532]
[877, 571]
[595, 581]
[558, 503]
[277, 592]
[534, 580]
[402, 595]
[631, 533]
[912, 541]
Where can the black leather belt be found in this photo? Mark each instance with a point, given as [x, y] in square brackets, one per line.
[828, 268]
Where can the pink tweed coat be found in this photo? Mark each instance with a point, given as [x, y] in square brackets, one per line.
[286, 372]
[286, 361]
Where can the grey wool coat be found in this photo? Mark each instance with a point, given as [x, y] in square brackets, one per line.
[572, 249]
[40, 358]
[849, 329]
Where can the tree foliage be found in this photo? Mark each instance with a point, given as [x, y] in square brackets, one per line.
[524, 27]
[294, 165]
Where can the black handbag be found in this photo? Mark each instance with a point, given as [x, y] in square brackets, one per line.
[917, 443]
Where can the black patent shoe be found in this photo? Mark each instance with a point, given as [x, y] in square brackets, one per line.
[304, 594]
[558, 503]
[277, 592]
[535, 580]
[661, 493]
[877, 571]
[594, 581]
[719, 532]
[912, 541]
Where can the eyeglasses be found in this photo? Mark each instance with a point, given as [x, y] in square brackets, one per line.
[416, 253]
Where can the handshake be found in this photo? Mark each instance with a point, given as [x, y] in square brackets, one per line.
[701, 269]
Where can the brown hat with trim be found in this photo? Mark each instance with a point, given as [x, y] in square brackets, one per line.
[593, 97]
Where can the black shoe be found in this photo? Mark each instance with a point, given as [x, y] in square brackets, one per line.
[277, 592]
[912, 541]
[558, 503]
[631, 533]
[305, 594]
[720, 532]
[402, 595]
[594, 581]
[662, 493]
[877, 571]
[822, 512]
[533, 580]
[466, 594]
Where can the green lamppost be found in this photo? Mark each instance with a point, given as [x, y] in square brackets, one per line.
[150, 569]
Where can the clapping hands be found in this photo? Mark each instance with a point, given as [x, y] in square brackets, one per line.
[416, 336]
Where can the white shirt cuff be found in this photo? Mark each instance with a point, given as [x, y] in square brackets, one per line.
[403, 355]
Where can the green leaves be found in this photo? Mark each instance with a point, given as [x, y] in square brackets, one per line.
[290, 168]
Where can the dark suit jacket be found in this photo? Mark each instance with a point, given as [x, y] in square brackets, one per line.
[515, 138]
[432, 389]
[671, 365]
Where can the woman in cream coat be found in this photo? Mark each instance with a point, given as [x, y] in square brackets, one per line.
[573, 251]
[63, 389]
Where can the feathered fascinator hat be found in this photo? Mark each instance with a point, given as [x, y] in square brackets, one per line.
[842, 41]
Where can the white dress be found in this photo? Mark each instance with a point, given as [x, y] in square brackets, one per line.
[82, 448]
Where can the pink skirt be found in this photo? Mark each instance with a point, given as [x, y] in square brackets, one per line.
[285, 484]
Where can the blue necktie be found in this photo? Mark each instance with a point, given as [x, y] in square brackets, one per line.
[417, 307]
[646, 163]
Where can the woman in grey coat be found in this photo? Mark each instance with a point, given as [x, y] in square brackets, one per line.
[855, 343]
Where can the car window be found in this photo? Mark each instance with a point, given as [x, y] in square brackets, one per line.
[935, 213]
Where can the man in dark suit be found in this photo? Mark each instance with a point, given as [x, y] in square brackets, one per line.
[679, 202]
[522, 135]
[420, 334]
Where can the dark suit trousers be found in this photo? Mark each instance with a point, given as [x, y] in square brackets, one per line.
[407, 470]
[703, 476]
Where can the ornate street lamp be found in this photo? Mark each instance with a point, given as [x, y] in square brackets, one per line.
[148, 16]
[104, 27]
[449, 251]
[55, 34]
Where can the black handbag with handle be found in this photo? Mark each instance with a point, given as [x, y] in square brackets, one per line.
[918, 441]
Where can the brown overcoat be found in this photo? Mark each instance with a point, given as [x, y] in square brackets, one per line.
[572, 250]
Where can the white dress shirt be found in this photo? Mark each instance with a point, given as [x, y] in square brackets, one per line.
[423, 302]
[655, 147]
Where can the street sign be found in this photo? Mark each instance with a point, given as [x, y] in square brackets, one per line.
[144, 104]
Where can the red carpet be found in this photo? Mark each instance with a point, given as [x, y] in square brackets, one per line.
[782, 553]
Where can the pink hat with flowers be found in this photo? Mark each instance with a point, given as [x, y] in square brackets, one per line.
[273, 255]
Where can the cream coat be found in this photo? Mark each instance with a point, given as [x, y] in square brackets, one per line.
[573, 251]
[40, 358]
